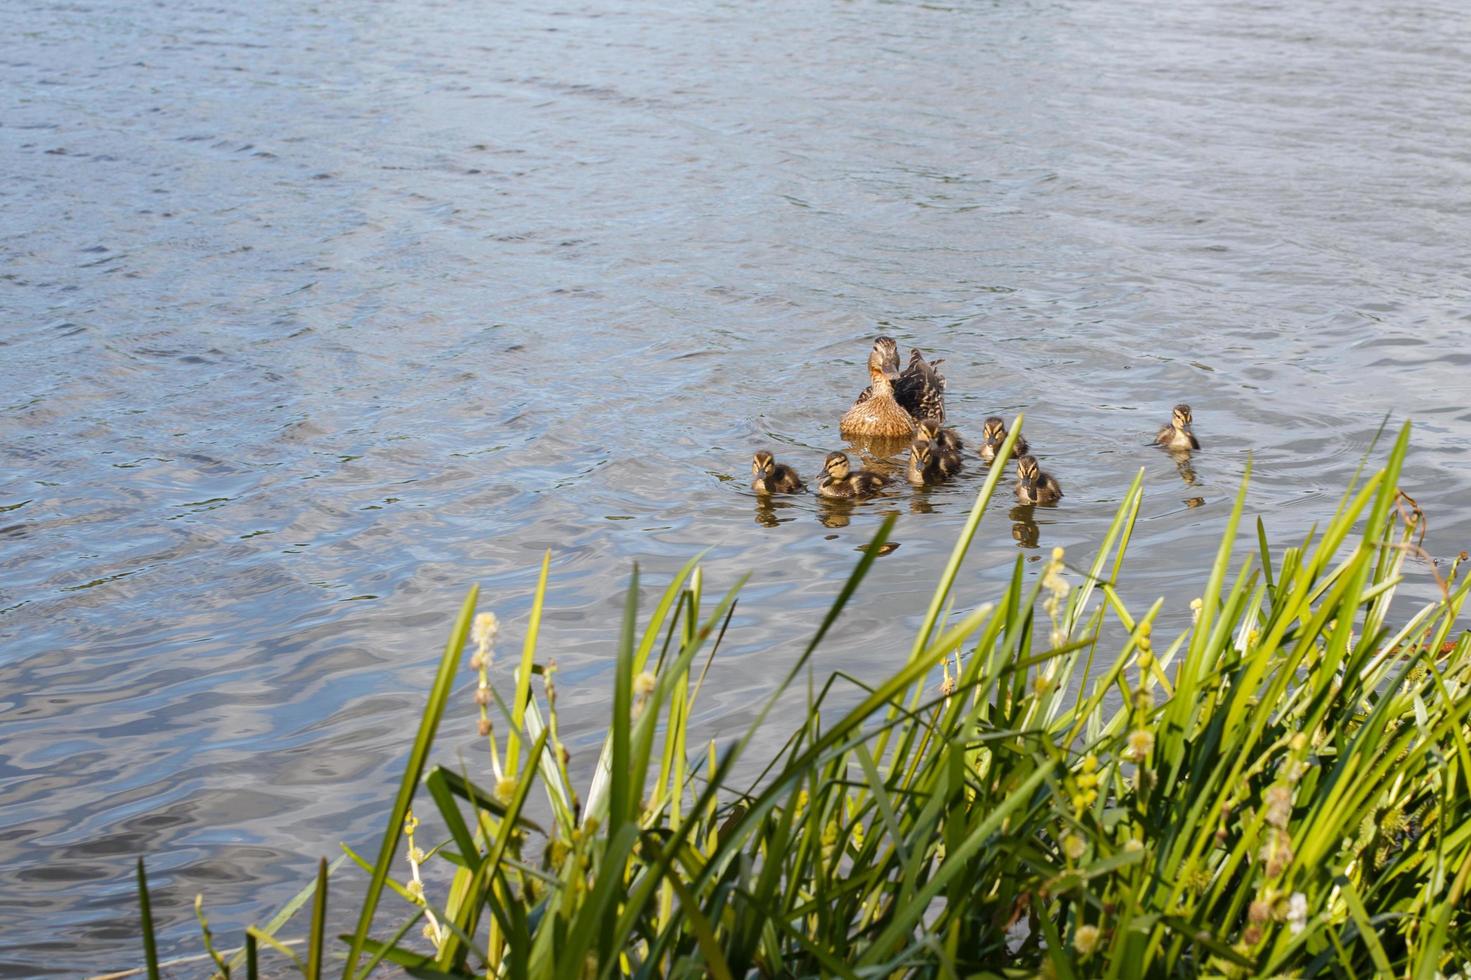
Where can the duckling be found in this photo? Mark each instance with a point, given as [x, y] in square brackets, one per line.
[1033, 486]
[876, 413]
[948, 439]
[839, 480]
[925, 464]
[921, 389]
[993, 434]
[1177, 434]
[769, 476]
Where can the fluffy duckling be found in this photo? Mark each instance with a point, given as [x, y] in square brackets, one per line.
[993, 434]
[876, 412]
[925, 465]
[948, 439]
[920, 389]
[840, 480]
[769, 476]
[1033, 486]
[1177, 434]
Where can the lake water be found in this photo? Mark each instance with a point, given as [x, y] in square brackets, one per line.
[314, 314]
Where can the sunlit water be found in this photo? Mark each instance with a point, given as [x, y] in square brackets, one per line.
[315, 314]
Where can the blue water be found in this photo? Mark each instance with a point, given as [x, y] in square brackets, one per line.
[313, 315]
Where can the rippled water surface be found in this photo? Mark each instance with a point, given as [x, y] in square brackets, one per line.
[316, 313]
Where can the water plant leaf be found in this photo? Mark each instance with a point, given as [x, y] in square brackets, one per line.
[413, 768]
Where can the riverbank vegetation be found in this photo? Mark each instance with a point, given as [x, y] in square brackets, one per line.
[1048, 783]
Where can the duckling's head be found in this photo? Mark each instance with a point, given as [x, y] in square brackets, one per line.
[1182, 417]
[929, 429]
[836, 466]
[1027, 469]
[762, 463]
[994, 430]
[922, 451]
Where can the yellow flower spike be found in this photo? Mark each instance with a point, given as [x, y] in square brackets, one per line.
[485, 628]
[411, 822]
[1090, 763]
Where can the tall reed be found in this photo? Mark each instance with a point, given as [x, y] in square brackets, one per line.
[1279, 788]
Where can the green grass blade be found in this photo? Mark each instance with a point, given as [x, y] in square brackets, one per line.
[145, 910]
[287, 911]
[418, 755]
[318, 925]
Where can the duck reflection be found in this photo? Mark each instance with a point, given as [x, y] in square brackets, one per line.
[880, 452]
[1023, 527]
[765, 513]
[834, 511]
[1183, 466]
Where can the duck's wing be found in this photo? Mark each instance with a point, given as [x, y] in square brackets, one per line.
[921, 389]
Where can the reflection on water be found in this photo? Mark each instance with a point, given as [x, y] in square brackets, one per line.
[1183, 467]
[1024, 529]
[317, 315]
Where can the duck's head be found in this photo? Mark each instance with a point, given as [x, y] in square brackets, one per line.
[880, 372]
[1181, 418]
[1027, 470]
[886, 353]
[836, 466]
[762, 463]
[994, 430]
[922, 452]
[929, 429]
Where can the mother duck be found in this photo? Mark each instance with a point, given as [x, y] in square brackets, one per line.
[893, 402]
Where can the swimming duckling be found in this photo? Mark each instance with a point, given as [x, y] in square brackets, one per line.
[1177, 434]
[993, 434]
[876, 413]
[1033, 486]
[921, 389]
[925, 465]
[948, 439]
[769, 476]
[840, 480]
